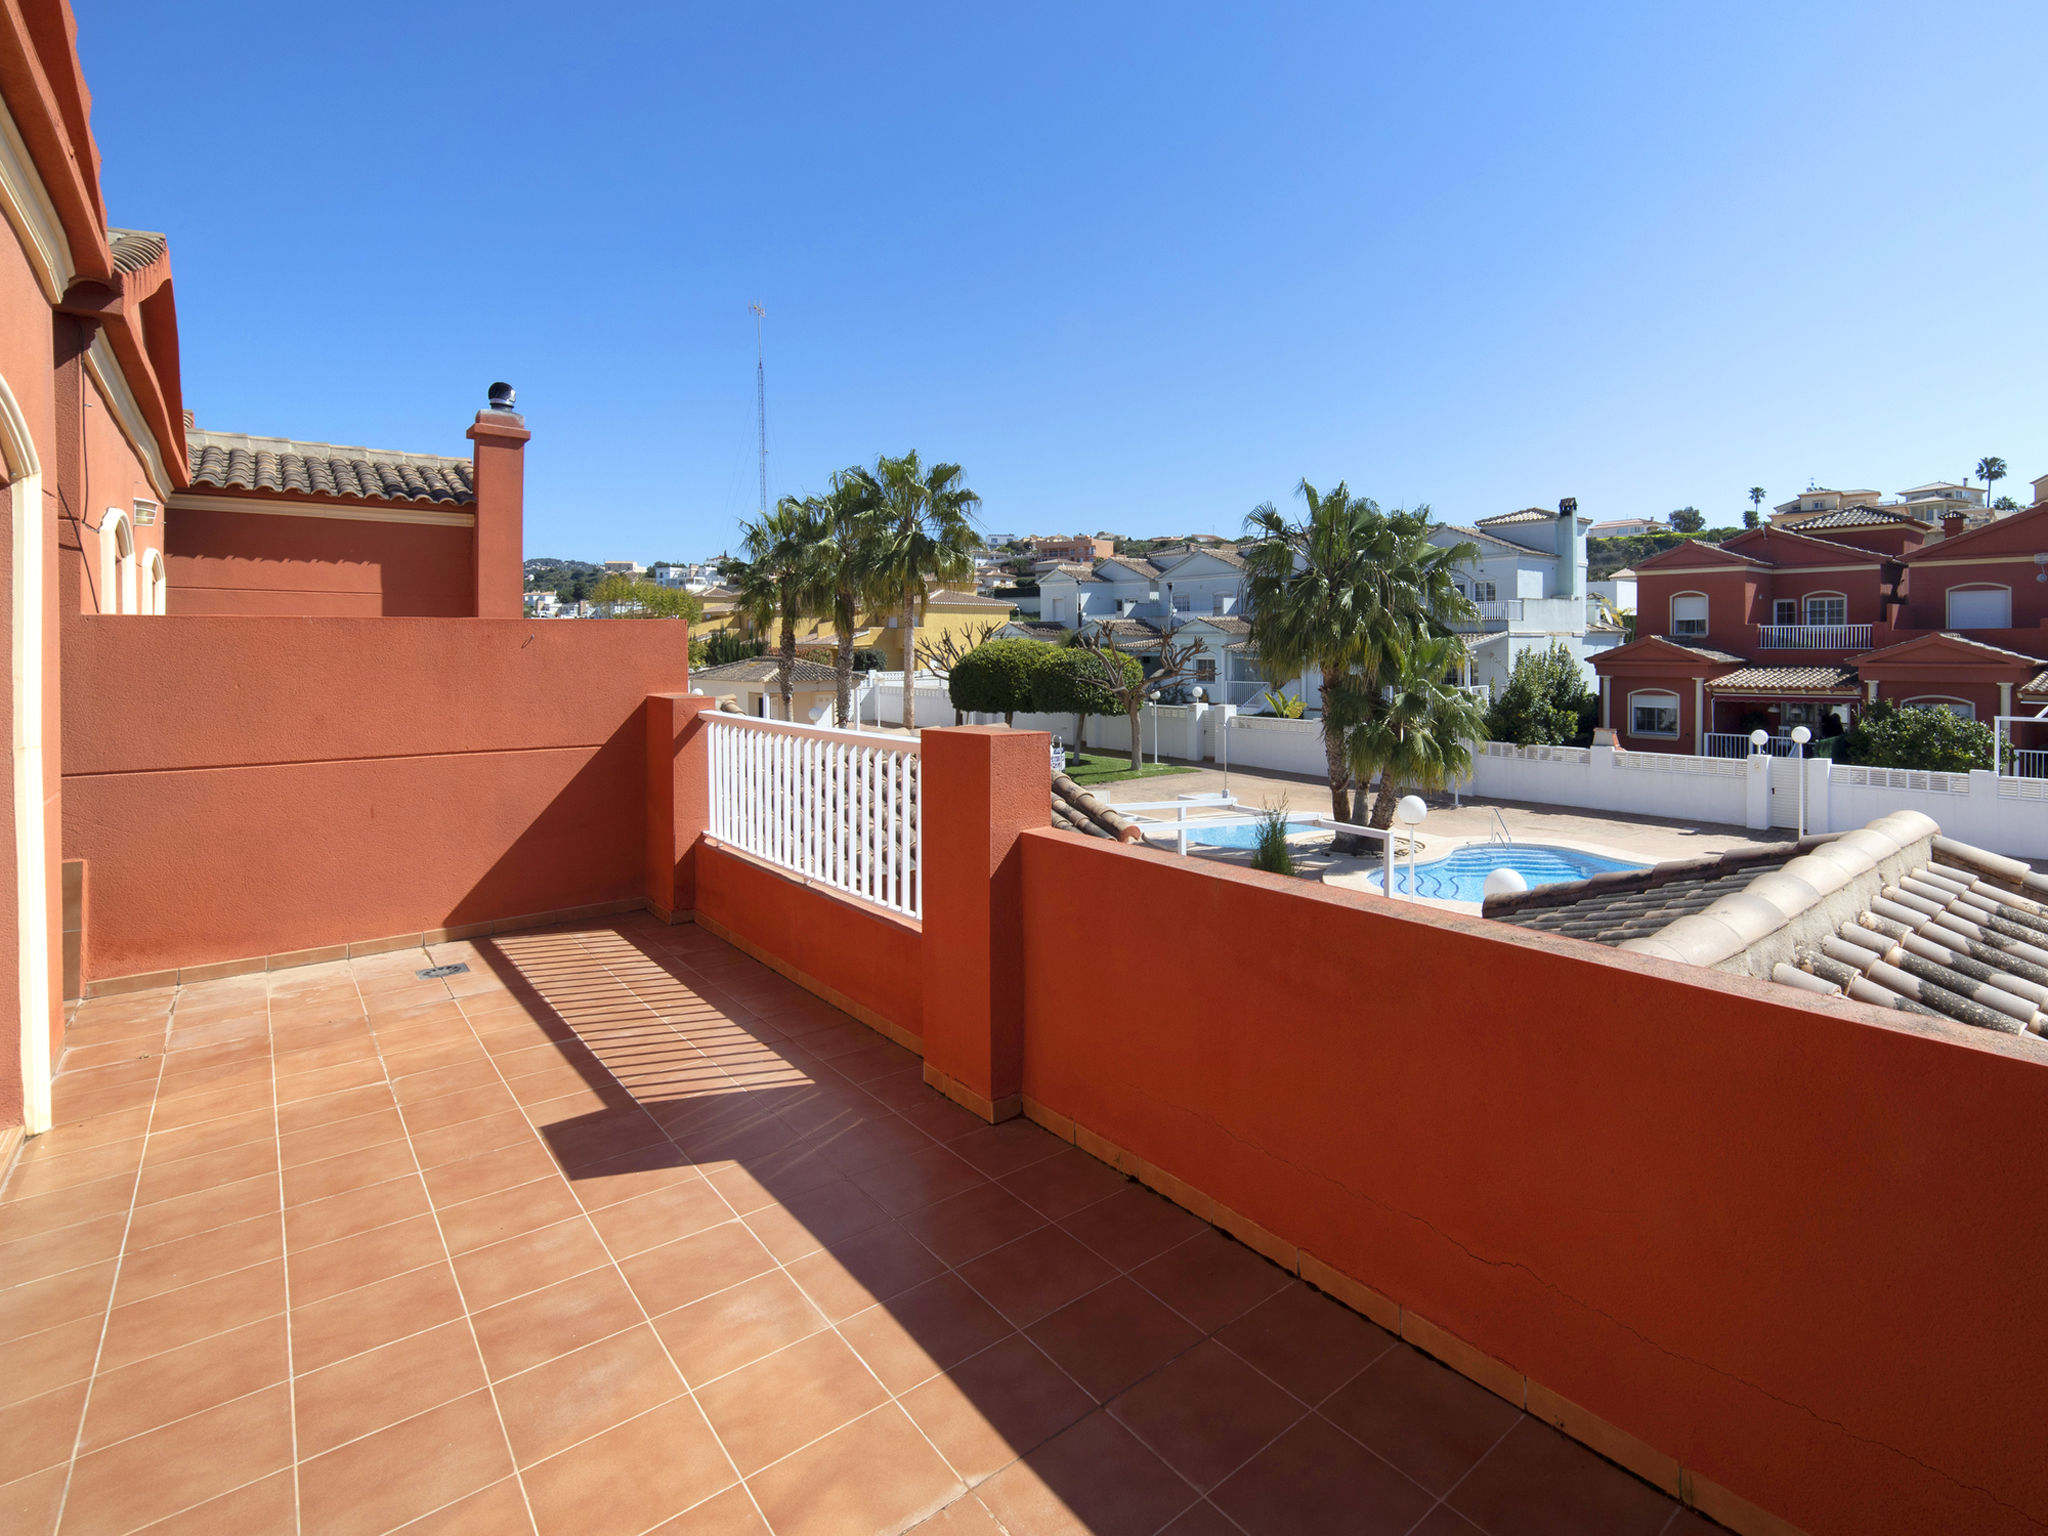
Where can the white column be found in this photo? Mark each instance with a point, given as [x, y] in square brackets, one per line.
[1699, 717]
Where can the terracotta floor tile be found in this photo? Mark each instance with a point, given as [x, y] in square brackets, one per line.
[1037, 1274]
[1305, 1341]
[413, 1468]
[358, 1211]
[770, 1408]
[369, 1316]
[1132, 1226]
[1203, 1519]
[1426, 1419]
[167, 1221]
[816, 1218]
[43, 1362]
[266, 1507]
[508, 1213]
[1206, 1413]
[252, 1070]
[1001, 1150]
[454, 1143]
[1315, 1480]
[475, 1103]
[1446, 1521]
[920, 1178]
[1092, 1480]
[648, 1221]
[29, 1505]
[39, 1432]
[174, 1319]
[875, 1142]
[994, 1407]
[1112, 1337]
[331, 1268]
[307, 1182]
[647, 1171]
[202, 1107]
[525, 1263]
[731, 1513]
[489, 1172]
[772, 1177]
[532, 1329]
[366, 1392]
[1068, 1181]
[193, 1259]
[169, 1180]
[631, 1477]
[56, 1299]
[499, 1510]
[63, 1208]
[307, 1114]
[589, 1138]
[1210, 1279]
[187, 1380]
[214, 1136]
[474, 1071]
[876, 1475]
[939, 1117]
[1538, 1483]
[588, 1390]
[716, 1336]
[912, 1337]
[968, 1225]
[52, 1253]
[44, 1176]
[182, 1464]
[338, 1138]
[678, 1273]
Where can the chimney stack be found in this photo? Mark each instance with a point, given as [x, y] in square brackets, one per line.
[1952, 525]
[500, 437]
[1570, 547]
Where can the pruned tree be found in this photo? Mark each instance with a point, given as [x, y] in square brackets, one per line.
[995, 678]
[1127, 683]
[939, 654]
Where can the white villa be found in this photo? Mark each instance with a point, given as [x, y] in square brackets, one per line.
[1529, 584]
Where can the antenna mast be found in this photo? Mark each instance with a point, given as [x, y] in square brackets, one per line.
[761, 399]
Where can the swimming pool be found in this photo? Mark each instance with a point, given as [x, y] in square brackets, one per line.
[1243, 835]
[1461, 875]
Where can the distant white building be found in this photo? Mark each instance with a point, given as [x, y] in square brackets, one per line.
[622, 567]
[1529, 584]
[1627, 527]
[1608, 600]
[543, 605]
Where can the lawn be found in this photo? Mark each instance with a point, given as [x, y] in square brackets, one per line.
[1096, 768]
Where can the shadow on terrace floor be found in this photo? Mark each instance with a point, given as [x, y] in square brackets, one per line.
[619, 1232]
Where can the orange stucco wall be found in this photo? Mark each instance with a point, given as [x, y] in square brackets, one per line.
[859, 951]
[262, 563]
[1700, 1210]
[248, 786]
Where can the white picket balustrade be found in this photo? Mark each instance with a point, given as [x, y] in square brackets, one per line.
[838, 807]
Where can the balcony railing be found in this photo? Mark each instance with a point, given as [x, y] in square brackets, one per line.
[1813, 637]
[1737, 744]
[837, 807]
[1506, 610]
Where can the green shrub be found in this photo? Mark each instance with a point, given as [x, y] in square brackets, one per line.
[1069, 681]
[1888, 736]
[724, 645]
[1545, 703]
[995, 678]
[1271, 851]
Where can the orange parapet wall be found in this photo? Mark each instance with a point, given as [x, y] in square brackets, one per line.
[1785, 1247]
[250, 786]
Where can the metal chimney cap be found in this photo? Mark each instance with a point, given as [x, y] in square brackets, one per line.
[1568, 507]
[502, 396]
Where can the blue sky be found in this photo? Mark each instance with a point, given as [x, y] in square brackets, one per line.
[1135, 267]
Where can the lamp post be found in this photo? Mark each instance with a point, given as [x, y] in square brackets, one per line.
[1410, 810]
[1758, 740]
[1152, 702]
[1800, 737]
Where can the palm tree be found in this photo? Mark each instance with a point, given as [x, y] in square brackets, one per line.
[1342, 591]
[1756, 504]
[925, 538]
[1415, 729]
[847, 578]
[778, 572]
[1990, 470]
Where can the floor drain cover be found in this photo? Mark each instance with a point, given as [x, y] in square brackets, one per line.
[436, 972]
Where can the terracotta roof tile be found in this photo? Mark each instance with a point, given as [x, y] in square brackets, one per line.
[1772, 679]
[763, 669]
[236, 461]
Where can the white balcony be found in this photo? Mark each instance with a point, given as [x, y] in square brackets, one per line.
[1813, 637]
[1506, 610]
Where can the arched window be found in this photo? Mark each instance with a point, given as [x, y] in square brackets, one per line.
[155, 586]
[117, 563]
[1653, 712]
[1980, 607]
[1962, 709]
[1689, 614]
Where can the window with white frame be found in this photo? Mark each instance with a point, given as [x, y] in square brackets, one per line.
[1218, 604]
[1827, 608]
[1653, 714]
[1205, 669]
[1183, 603]
[1980, 608]
[1785, 611]
[1689, 613]
[1484, 592]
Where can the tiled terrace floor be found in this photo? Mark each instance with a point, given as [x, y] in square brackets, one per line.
[619, 1232]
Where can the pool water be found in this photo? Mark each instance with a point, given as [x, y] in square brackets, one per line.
[1244, 835]
[1461, 876]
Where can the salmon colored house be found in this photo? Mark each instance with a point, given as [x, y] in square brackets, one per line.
[1787, 626]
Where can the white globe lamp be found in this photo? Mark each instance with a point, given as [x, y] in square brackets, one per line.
[1504, 882]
